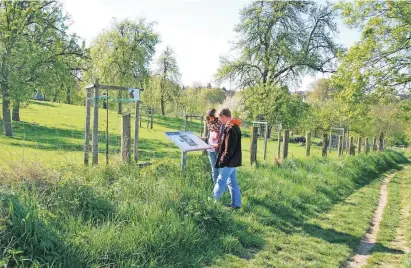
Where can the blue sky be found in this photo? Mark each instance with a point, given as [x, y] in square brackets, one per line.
[198, 31]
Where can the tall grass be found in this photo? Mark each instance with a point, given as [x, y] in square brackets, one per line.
[158, 216]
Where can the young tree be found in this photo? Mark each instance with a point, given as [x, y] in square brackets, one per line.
[122, 53]
[169, 77]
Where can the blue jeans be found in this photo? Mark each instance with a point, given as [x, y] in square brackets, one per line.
[227, 177]
[212, 156]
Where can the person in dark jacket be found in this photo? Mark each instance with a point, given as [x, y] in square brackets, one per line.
[229, 158]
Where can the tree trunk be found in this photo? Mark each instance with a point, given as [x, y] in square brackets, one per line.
[163, 109]
[68, 97]
[120, 106]
[7, 128]
[16, 112]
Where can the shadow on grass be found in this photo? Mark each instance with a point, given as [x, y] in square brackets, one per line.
[57, 139]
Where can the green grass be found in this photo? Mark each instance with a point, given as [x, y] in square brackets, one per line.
[306, 213]
[399, 194]
[52, 133]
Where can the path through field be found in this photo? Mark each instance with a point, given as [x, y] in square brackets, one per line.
[369, 241]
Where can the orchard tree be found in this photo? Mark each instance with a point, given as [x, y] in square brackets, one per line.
[279, 41]
[169, 74]
[378, 66]
[122, 53]
[33, 41]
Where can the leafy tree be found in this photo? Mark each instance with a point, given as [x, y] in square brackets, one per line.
[122, 53]
[377, 66]
[169, 77]
[279, 41]
[33, 43]
[321, 90]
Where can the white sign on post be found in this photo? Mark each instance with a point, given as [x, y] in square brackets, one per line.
[187, 141]
[134, 94]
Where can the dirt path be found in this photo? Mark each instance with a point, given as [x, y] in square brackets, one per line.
[369, 240]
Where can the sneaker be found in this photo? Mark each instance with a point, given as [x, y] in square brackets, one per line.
[231, 206]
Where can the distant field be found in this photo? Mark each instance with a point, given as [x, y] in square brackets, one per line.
[53, 133]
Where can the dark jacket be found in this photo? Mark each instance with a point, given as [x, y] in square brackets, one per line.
[230, 154]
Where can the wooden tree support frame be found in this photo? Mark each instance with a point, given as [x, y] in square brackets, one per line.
[197, 117]
[96, 87]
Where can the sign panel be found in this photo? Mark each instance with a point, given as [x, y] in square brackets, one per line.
[134, 94]
[187, 141]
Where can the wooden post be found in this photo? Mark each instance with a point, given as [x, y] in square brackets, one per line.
[87, 127]
[308, 144]
[141, 117]
[348, 143]
[330, 142]
[183, 160]
[185, 122]
[325, 144]
[351, 148]
[107, 138]
[151, 118]
[285, 143]
[374, 144]
[359, 145]
[340, 145]
[136, 131]
[381, 148]
[148, 117]
[95, 124]
[202, 126]
[125, 138]
[366, 146]
[253, 145]
[279, 145]
[265, 142]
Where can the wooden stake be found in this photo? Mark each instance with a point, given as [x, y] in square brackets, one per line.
[351, 146]
[367, 146]
[87, 127]
[381, 148]
[325, 144]
[340, 146]
[359, 145]
[308, 144]
[125, 138]
[265, 142]
[285, 143]
[279, 145]
[253, 145]
[95, 124]
[374, 144]
[136, 131]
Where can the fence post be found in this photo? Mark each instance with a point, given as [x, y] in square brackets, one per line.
[325, 143]
[374, 144]
[351, 146]
[136, 131]
[87, 127]
[340, 145]
[330, 142]
[367, 146]
[265, 142]
[253, 145]
[359, 145]
[285, 143]
[185, 122]
[125, 138]
[279, 145]
[95, 125]
[152, 117]
[202, 126]
[381, 142]
[308, 144]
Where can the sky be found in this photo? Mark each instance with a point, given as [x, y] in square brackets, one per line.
[199, 31]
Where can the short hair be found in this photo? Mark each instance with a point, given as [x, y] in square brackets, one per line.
[226, 112]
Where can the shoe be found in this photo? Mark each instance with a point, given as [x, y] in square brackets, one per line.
[231, 206]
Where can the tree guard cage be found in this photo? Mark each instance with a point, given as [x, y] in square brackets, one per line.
[96, 87]
[335, 132]
[188, 123]
[262, 131]
[146, 112]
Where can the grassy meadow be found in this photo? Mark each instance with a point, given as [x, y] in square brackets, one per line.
[53, 134]
[305, 213]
